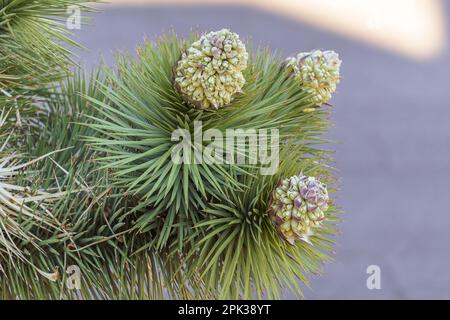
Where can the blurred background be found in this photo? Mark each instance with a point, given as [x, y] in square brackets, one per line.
[391, 117]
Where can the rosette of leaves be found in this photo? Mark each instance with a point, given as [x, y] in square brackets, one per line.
[133, 132]
[239, 250]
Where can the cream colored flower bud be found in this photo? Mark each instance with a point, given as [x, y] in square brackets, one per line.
[298, 206]
[214, 64]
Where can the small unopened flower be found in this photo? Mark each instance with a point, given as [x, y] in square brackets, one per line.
[209, 74]
[298, 206]
[317, 72]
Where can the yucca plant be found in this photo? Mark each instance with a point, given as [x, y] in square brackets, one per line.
[108, 194]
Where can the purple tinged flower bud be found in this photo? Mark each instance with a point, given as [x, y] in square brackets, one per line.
[298, 206]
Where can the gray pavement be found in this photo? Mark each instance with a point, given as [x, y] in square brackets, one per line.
[392, 118]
